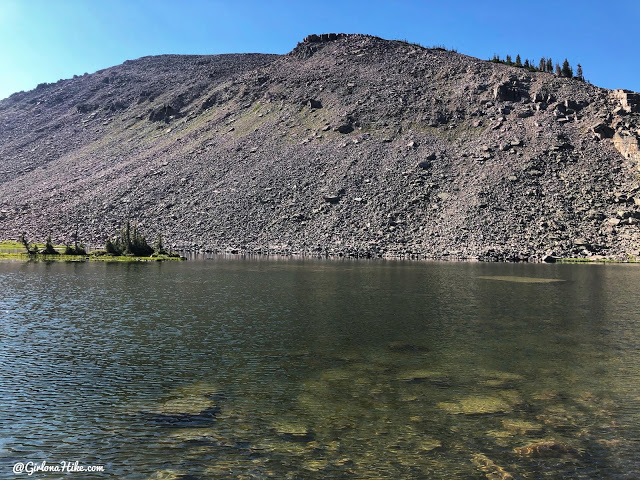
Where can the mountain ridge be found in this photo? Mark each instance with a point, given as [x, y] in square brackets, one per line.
[350, 145]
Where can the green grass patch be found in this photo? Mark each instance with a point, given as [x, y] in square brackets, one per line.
[9, 245]
[91, 257]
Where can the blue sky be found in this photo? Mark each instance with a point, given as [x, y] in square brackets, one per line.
[45, 40]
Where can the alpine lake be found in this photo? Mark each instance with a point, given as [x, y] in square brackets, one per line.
[231, 367]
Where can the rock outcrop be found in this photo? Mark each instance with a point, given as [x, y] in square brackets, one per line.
[627, 144]
[629, 100]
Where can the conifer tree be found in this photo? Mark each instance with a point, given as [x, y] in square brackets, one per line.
[566, 71]
[159, 246]
[48, 247]
[579, 74]
[509, 61]
[111, 248]
[542, 66]
[526, 64]
[549, 65]
[25, 242]
[558, 70]
[518, 61]
[126, 238]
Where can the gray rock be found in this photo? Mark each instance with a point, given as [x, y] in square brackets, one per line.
[345, 128]
[602, 130]
[331, 198]
[312, 103]
[510, 91]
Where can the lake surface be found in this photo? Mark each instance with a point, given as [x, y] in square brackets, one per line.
[236, 368]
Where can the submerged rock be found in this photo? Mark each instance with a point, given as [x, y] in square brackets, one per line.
[172, 475]
[192, 405]
[545, 395]
[489, 467]
[562, 417]
[429, 444]
[477, 405]
[500, 434]
[294, 432]
[420, 375]
[198, 436]
[315, 465]
[496, 379]
[521, 426]
[548, 448]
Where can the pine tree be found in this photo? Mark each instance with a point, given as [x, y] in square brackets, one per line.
[132, 242]
[48, 247]
[159, 246]
[25, 242]
[126, 238]
[558, 70]
[112, 248]
[508, 61]
[579, 74]
[549, 65]
[542, 66]
[566, 70]
[526, 64]
[518, 61]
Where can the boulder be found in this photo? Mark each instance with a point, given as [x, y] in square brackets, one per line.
[313, 103]
[333, 197]
[629, 101]
[163, 114]
[628, 145]
[543, 96]
[510, 91]
[602, 130]
[570, 104]
[345, 128]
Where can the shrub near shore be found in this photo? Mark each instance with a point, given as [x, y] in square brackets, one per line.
[130, 245]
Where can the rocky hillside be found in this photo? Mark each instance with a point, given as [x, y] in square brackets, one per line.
[349, 144]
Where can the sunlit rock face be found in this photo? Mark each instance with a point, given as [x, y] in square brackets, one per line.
[348, 145]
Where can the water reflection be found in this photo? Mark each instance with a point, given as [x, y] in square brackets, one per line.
[321, 369]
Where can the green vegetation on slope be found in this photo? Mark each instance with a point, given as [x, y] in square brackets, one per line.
[129, 246]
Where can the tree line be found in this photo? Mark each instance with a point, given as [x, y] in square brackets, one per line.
[132, 242]
[544, 65]
[129, 242]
